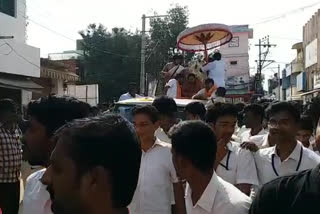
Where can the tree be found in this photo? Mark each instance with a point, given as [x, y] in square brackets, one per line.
[163, 37]
[111, 59]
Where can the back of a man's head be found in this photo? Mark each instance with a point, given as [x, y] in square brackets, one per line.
[7, 105]
[166, 106]
[195, 141]
[54, 111]
[217, 56]
[221, 92]
[196, 108]
[110, 142]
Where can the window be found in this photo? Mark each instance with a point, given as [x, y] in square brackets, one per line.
[8, 7]
[233, 62]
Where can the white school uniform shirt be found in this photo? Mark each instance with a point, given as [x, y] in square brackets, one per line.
[154, 193]
[36, 198]
[172, 90]
[217, 72]
[246, 136]
[127, 96]
[270, 167]
[219, 197]
[238, 166]
[162, 136]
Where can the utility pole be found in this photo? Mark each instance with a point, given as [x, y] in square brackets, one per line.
[143, 56]
[279, 82]
[264, 49]
[143, 82]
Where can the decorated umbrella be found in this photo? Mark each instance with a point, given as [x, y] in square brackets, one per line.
[204, 37]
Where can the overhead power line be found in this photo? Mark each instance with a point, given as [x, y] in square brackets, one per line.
[74, 40]
[284, 15]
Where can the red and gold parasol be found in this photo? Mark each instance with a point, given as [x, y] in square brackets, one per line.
[204, 37]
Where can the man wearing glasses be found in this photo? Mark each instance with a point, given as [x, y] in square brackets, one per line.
[288, 156]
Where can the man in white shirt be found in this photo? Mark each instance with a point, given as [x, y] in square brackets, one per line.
[288, 156]
[233, 164]
[159, 190]
[216, 70]
[194, 146]
[131, 94]
[174, 87]
[47, 115]
[253, 117]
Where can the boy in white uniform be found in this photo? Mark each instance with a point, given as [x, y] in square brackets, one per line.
[253, 117]
[194, 146]
[288, 156]
[159, 190]
[233, 164]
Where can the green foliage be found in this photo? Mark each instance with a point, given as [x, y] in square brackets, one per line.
[163, 37]
[111, 59]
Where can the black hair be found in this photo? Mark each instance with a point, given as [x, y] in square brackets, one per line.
[54, 111]
[221, 92]
[148, 110]
[177, 56]
[256, 109]
[180, 75]
[196, 108]
[217, 56]
[166, 106]
[306, 123]
[288, 107]
[195, 141]
[110, 142]
[209, 81]
[219, 110]
[192, 75]
[8, 105]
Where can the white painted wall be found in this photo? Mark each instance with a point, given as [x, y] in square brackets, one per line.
[15, 26]
[20, 58]
[85, 93]
[58, 87]
[240, 71]
[26, 97]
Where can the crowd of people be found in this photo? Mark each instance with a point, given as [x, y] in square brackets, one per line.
[187, 83]
[224, 158]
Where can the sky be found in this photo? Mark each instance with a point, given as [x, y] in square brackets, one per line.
[54, 24]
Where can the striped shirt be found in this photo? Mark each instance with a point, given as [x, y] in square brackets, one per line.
[10, 154]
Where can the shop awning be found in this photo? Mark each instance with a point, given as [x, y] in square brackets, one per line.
[19, 82]
[57, 74]
[310, 92]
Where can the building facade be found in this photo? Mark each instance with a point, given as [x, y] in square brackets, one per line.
[311, 31]
[18, 61]
[236, 56]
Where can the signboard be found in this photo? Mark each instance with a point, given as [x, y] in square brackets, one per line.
[237, 82]
[316, 80]
[301, 82]
[312, 53]
[288, 70]
[234, 42]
